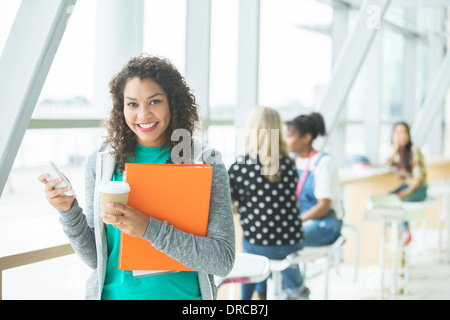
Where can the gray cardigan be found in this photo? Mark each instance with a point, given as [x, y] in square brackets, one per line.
[210, 255]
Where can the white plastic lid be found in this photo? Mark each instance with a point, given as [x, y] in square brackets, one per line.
[114, 187]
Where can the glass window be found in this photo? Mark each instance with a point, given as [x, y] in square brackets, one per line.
[357, 98]
[8, 11]
[423, 71]
[355, 143]
[356, 104]
[165, 30]
[385, 148]
[393, 50]
[68, 91]
[63, 146]
[223, 66]
[27, 220]
[423, 54]
[395, 15]
[295, 63]
[227, 140]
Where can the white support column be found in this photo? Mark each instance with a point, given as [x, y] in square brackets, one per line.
[119, 38]
[248, 60]
[24, 64]
[339, 32]
[198, 33]
[411, 96]
[349, 62]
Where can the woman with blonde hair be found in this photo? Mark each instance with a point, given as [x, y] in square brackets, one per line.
[263, 183]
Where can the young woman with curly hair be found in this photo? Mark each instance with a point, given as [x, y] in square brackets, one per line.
[150, 101]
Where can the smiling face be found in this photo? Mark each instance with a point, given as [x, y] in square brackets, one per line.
[146, 111]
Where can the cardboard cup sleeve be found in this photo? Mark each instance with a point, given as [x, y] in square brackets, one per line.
[105, 198]
[113, 192]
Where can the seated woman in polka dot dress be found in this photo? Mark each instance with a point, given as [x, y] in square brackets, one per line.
[263, 182]
[318, 191]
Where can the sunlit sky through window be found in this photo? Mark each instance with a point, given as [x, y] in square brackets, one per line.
[293, 61]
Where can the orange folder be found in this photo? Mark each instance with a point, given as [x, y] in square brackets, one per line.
[176, 193]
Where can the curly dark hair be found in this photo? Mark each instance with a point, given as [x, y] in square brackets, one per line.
[182, 104]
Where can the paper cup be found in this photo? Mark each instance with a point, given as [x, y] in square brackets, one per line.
[113, 192]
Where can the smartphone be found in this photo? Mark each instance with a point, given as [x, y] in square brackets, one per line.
[55, 173]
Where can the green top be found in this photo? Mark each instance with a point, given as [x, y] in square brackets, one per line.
[122, 285]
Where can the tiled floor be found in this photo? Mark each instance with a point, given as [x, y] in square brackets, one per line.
[429, 280]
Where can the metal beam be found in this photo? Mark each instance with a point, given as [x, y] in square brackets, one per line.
[433, 103]
[24, 64]
[353, 4]
[429, 126]
[64, 123]
[421, 3]
[339, 4]
[324, 29]
[349, 62]
[408, 32]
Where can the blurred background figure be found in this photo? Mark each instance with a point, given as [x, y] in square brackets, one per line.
[410, 168]
[266, 202]
[317, 194]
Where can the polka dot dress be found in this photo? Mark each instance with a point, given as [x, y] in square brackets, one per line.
[268, 211]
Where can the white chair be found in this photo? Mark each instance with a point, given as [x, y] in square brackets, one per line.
[350, 227]
[442, 191]
[307, 254]
[248, 268]
[390, 210]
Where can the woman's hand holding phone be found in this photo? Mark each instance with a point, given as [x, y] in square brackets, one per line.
[56, 197]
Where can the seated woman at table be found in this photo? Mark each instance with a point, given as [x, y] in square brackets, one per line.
[318, 192]
[409, 163]
[263, 182]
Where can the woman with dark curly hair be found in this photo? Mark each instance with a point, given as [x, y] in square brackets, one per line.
[150, 102]
[180, 114]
